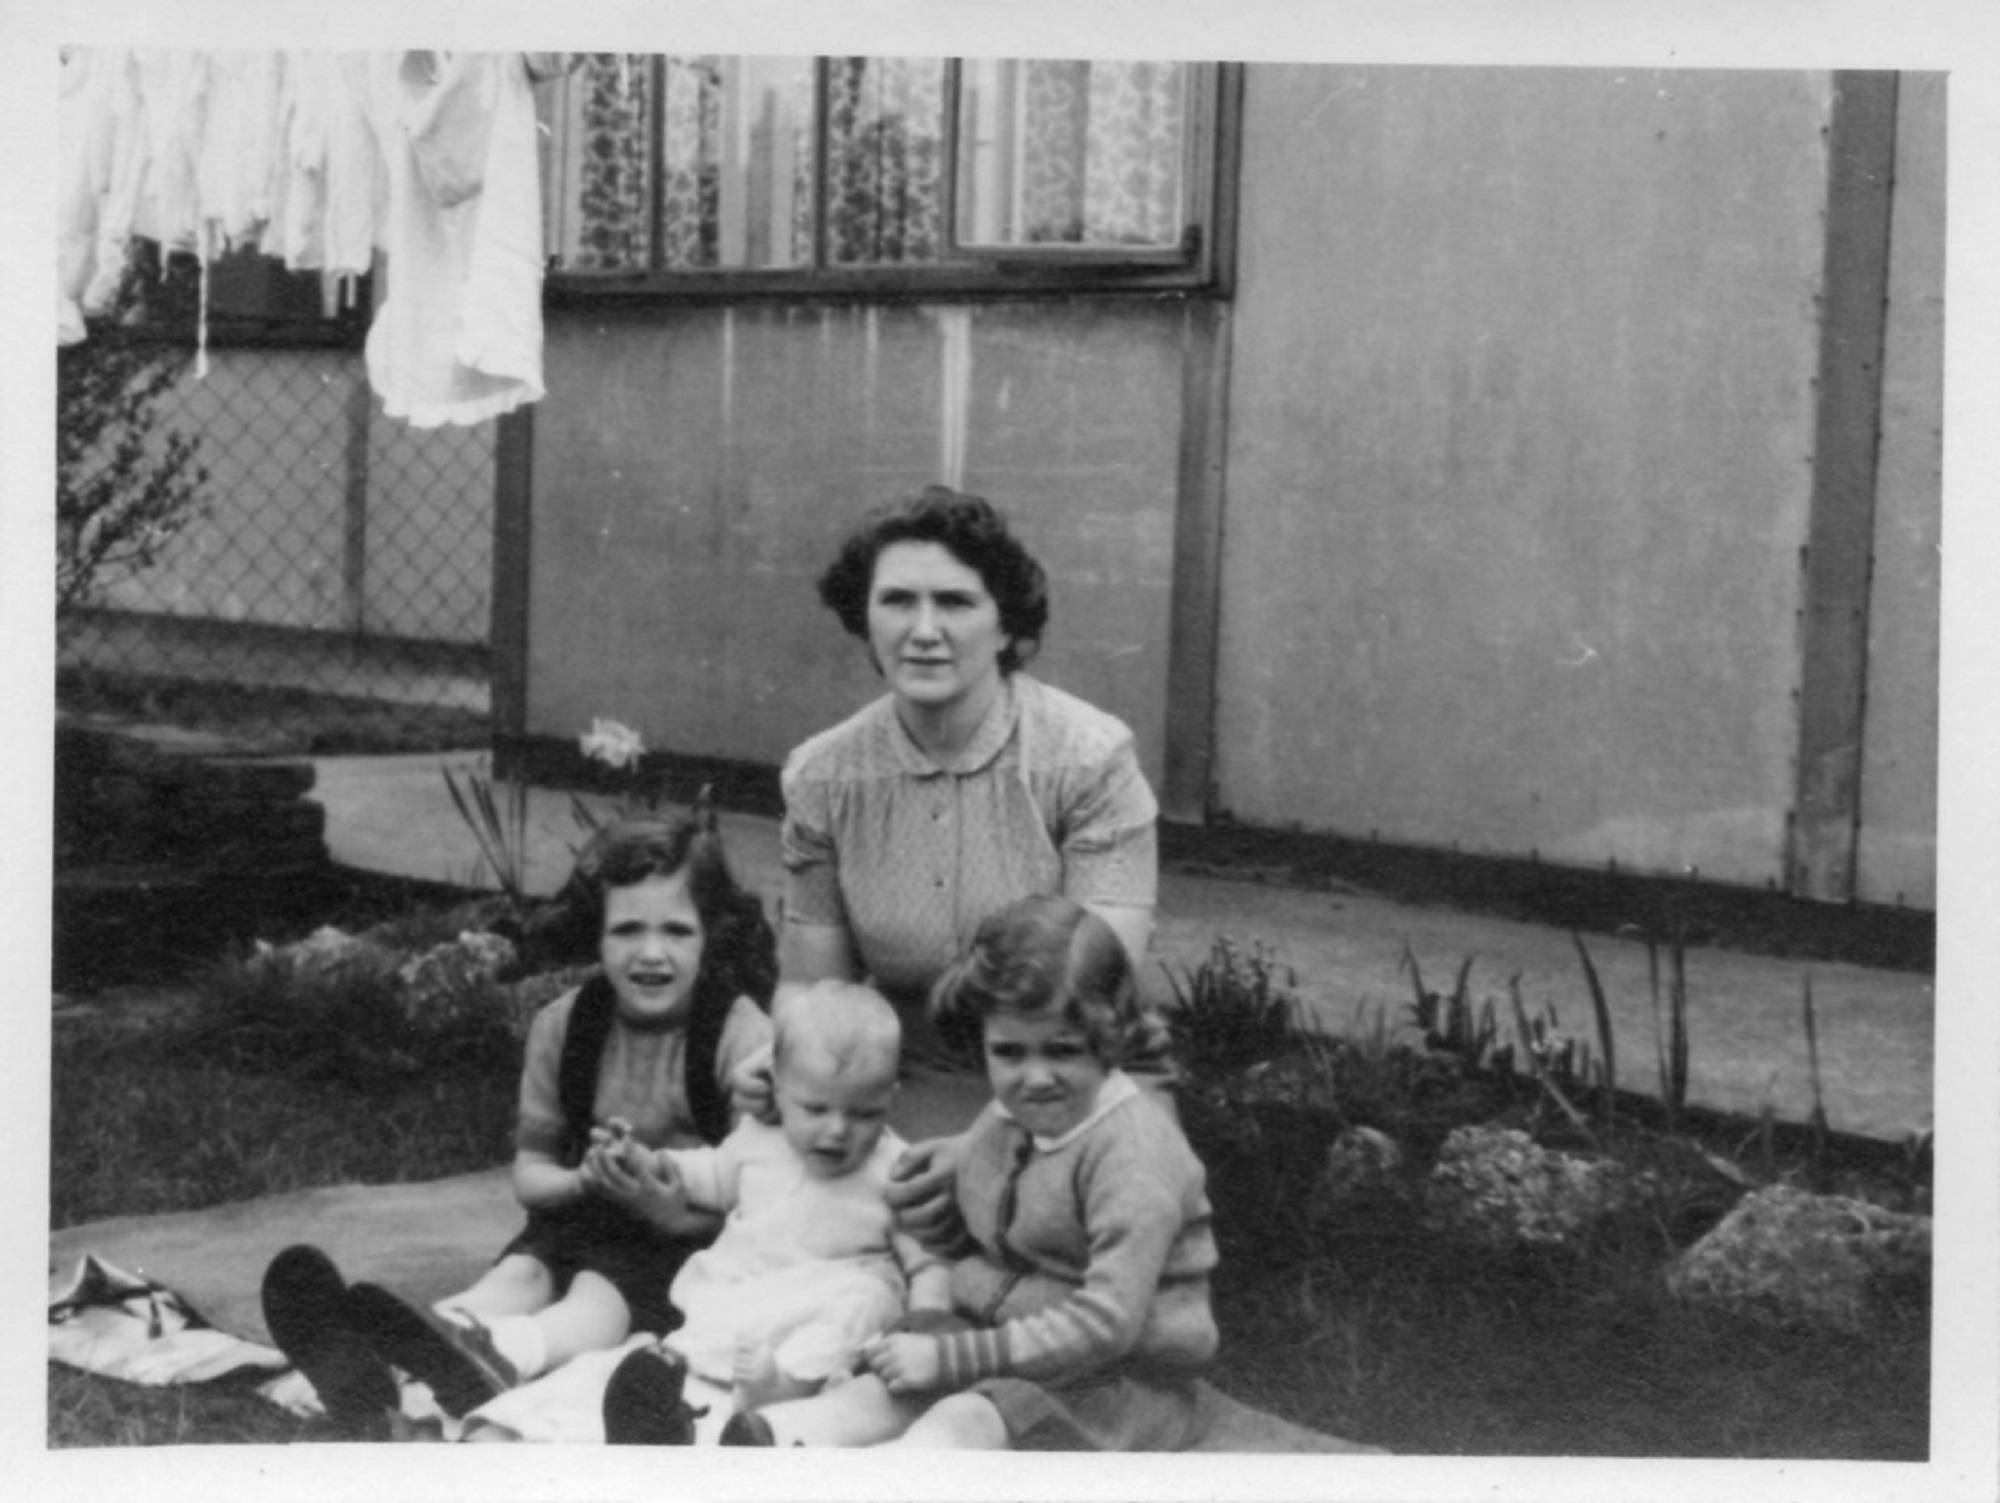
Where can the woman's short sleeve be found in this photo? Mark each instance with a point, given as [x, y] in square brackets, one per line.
[1110, 838]
[811, 857]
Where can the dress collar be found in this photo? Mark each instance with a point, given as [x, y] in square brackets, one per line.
[1117, 1089]
[994, 732]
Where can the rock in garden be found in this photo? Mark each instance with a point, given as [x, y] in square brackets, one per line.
[1786, 1256]
[445, 978]
[1498, 1188]
[1361, 1161]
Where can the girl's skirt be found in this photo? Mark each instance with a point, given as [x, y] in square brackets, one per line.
[1120, 1408]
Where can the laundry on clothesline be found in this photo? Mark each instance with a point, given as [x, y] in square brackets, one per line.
[419, 166]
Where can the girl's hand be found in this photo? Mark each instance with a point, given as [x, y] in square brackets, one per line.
[905, 1364]
[611, 1134]
[649, 1186]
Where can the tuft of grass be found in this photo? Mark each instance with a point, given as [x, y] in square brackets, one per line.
[1607, 1042]
[1817, 1121]
[1449, 1021]
[1401, 1341]
[1238, 1008]
[1670, 1040]
[499, 824]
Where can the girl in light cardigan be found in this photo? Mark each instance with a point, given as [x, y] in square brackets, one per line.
[1080, 1295]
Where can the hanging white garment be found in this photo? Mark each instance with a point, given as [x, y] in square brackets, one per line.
[83, 175]
[457, 336]
[307, 110]
[118, 204]
[354, 168]
[174, 85]
[238, 142]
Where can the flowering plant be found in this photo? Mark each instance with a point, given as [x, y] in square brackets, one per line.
[622, 750]
[616, 746]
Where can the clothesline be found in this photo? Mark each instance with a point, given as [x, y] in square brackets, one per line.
[420, 166]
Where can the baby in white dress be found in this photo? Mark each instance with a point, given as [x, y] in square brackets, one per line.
[808, 1264]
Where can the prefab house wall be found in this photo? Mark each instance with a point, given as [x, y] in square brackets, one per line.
[698, 467]
[1473, 517]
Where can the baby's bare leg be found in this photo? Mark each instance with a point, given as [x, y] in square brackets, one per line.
[859, 1412]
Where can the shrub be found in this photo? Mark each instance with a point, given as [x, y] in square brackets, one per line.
[123, 489]
[339, 1007]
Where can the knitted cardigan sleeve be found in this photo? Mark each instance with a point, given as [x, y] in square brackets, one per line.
[1135, 1205]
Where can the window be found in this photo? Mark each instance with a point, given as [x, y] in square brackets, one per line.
[723, 175]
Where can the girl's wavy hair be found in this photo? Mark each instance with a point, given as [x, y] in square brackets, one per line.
[739, 955]
[1047, 955]
[968, 528]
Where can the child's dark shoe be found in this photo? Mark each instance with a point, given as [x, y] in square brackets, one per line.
[643, 1402]
[305, 1309]
[457, 1362]
[746, 1427]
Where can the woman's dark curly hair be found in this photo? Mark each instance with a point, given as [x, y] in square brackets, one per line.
[1047, 955]
[739, 955]
[970, 530]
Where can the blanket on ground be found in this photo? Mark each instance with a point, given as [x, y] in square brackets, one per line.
[174, 1298]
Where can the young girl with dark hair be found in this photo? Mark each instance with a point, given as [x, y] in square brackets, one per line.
[636, 1059]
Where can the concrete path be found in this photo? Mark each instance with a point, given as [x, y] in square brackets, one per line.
[1745, 1017]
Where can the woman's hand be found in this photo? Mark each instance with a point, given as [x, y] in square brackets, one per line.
[751, 1091]
[905, 1364]
[923, 1193]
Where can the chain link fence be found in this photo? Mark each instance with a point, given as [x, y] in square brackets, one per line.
[331, 590]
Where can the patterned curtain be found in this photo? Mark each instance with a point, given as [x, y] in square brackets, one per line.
[1097, 147]
[1101, 163]
[690, 172]
[885, 144]
[614, 128]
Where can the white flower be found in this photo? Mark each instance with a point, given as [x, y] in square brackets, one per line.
[612, 744]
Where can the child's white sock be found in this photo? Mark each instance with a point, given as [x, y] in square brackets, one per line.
[518, 1338]
[521, 1340]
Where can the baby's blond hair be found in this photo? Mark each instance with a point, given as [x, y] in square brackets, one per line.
[850, 1026]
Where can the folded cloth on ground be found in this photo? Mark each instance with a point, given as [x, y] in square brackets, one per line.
[106, 1319]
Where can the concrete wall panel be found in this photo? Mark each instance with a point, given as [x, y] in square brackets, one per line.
[704, 463]
[1519, 459]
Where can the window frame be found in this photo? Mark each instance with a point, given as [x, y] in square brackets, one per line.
[1202, 265]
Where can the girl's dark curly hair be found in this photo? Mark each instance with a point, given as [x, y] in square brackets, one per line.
[1041, 955]
[970, 530]
[739, 955]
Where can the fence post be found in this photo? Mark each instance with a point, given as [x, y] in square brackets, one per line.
[507, 632]
[354, 555]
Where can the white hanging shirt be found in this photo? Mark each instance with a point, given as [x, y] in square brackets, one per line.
[457, 336]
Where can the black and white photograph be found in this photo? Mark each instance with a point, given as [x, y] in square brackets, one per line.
[1246, 744]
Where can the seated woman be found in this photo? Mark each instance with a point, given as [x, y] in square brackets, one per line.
[967, 785]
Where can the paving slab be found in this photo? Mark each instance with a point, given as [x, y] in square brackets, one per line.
[1745, 1012]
